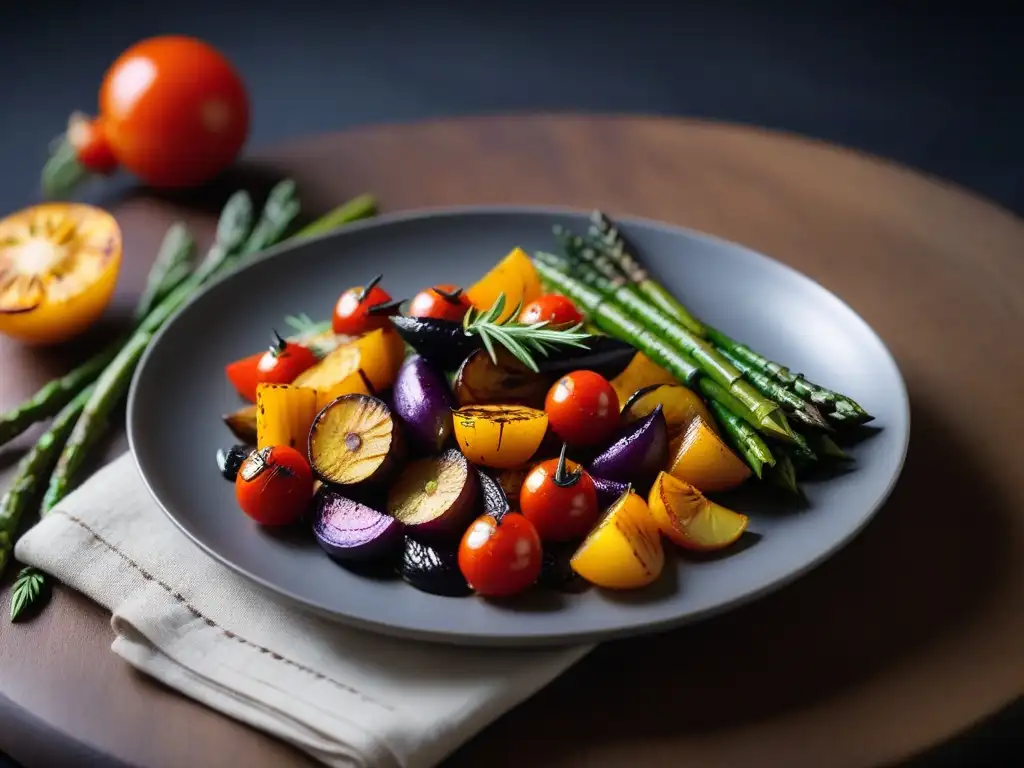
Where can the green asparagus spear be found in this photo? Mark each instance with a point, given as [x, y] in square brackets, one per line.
[604, 237]
[825, 446]
[742, 437]
[783, 474]
[612, 320]
[764, 414]
[279, 211]
[33, 469]
[802, 453]
[794, 405]
[54, 395]
[607, 237]
[171, 266]
[362, 207]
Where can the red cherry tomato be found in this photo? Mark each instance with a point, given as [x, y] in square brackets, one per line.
[352, 312]
[500, 557]
[553, 307]
[89, 138]
[274, 485]
[559, 498]
[283, 362]
[244, 375]
[444, 302]
[173, 111]
[582, 408]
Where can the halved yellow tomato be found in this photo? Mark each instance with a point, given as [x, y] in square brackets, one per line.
[58, 268]
[702, 459]
[624, 551]
[691, 520]
[499, 436]
[514, 276]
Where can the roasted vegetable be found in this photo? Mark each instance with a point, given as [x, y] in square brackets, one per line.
[481, 381]
[691, 520]
[423, 402]
[680, 405]
[559, 498]
[435, 497]
[511, 481]
[444, 302]
[608, 491]
[284, 414]
[433, 569]
[353, 384]
[378, 355]
[641, 373]
[242, 423]
[603, 355]
[443, 342]
[500, 557]
[230, 460]
[356, 310]
[353, 440]
[492, 496]
[637, 454]
[703, 460]
[499, 436]
[349, 530]
[274, 485]
[624, 551]
[514, 276]
[582, 408]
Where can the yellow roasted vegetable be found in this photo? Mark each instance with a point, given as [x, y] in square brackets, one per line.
[703, 460]
[284, 414]
[624, 551]
[691, 520]
[513, 276]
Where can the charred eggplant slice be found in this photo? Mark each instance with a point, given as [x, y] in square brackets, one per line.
[435, 497]
[349, 530]
[604, 355]
[442, 342]
[355, 439]
[495, 502]
[433, 569]
[423, 401]
[481, 381]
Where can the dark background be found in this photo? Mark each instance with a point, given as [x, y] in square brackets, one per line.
[937, 89]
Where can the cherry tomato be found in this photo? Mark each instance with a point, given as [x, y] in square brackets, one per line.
[89, 138]
[582, 408]
[500, 557]
[274, 485]
[244, 375]
[559, 498]
[553, 307]
[352, 313]
[173, 111]
[283, 362]
[444, 302]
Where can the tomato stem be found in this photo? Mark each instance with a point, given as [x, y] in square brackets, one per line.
[365, 290]
[279, 345]
[385, 308]
[562, 478]
[452, 297]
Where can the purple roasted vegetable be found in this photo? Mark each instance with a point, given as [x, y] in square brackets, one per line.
[349, 530]
[638, 453]
[607, 490]
[424, 403]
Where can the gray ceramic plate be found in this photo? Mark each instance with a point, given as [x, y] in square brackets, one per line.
[174, 421]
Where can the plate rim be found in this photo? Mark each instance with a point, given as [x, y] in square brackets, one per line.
[461, 637]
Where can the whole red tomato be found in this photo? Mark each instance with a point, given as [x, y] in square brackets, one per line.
[500, 557]
[553, 307]
[172, 110]
[361, 309]
[283, 362]
[443, 302]
[582, 408]
[274, 485]
[559, 498]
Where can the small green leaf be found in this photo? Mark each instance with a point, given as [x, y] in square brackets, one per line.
[26, 590]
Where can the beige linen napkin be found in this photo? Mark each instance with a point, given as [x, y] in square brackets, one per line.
[346, 697]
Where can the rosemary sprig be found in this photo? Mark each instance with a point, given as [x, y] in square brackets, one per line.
[522, 340]
[26, 590]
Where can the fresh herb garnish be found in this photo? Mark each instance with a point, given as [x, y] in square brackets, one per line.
[26, 590]
[520, 339]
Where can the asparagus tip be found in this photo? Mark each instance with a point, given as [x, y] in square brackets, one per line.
[776, 425]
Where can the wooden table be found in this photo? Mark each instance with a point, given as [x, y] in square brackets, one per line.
[910, 634]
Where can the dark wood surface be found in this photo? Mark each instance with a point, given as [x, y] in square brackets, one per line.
[910, 634]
